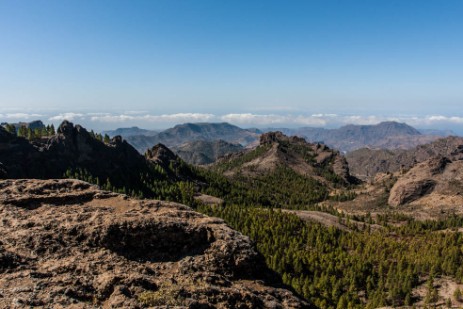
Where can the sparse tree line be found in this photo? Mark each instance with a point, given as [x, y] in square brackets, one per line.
[45, 131]
[29, 133]
[361, 269]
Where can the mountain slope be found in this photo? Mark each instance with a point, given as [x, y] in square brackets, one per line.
[190, 132]
[205, 152]
[388, 135]
[366, 163]
[435, 182]
[282, 172]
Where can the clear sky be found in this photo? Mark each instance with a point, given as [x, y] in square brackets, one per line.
[119, 63]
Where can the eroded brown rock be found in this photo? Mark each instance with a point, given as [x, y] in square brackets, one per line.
[80, 247]
[438, 176]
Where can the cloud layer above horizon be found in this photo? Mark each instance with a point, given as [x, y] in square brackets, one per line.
[102, 121]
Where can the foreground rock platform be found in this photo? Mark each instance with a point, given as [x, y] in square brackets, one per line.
[67, 244]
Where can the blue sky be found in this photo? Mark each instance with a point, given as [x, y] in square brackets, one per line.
[119, 63]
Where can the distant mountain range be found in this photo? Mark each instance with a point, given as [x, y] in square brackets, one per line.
[125, 132]
[385, 135]
[198, 143]
[190, 132]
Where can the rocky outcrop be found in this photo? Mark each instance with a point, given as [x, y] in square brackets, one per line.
[366, 163]
[66, 243]
[277, 150]
[437, 176]
[161, 155]
[74, 150]
[405, 192]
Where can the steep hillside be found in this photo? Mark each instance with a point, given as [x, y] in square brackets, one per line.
[76, 153]
[277, 150]
[386, 135]
[205, 152]
[283, 172]
[72, 149]
[107, 251]
[366, 163]
[190, 132]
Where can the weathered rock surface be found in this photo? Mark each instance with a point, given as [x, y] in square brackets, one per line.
[64, 243]
[366, 163]
[437, 181]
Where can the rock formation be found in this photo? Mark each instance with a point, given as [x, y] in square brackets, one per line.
[67, 244]
[366, 163]
[74, 152]
[437, 181]
[276, 150]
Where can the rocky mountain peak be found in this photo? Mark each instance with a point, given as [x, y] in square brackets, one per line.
[117, 140]
[66, 128]
[279, 137]
[160, 154]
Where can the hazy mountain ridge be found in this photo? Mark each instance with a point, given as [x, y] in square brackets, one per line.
[132, 131]
[190, 132]
[387, 135]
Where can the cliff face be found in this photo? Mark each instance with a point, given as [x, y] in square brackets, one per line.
[66, 243]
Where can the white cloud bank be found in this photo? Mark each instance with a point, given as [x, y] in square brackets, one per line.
[105, 120]
[19, 116]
